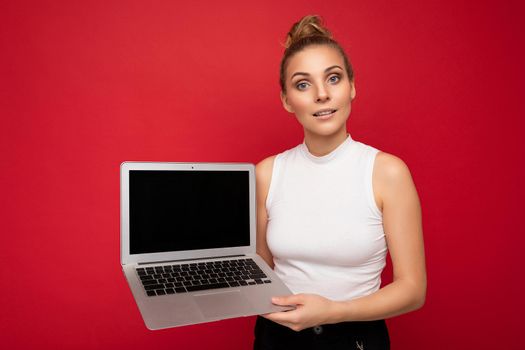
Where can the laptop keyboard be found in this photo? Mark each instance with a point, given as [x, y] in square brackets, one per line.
[183, 278]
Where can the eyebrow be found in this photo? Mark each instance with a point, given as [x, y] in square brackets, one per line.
[307, 74]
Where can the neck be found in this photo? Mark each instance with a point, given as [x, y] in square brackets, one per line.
[321, 145]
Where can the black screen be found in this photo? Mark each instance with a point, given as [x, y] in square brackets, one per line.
[183, 210]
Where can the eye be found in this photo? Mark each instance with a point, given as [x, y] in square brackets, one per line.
[333, 79]
[302, 85]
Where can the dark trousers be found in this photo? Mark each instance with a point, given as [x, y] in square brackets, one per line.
[370, 335]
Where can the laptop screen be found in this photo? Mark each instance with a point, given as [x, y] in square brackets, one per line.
[176, 210]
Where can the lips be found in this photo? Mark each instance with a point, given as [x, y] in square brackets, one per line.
[324, 112]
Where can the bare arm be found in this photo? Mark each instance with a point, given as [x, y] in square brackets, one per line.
[396, 195]
[263, 174]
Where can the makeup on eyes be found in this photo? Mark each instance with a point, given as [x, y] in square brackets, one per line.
[339, 77]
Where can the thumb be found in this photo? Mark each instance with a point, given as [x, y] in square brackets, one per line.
[294, 299]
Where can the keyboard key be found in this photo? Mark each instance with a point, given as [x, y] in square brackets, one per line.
[149, 282]
[154, 286]
[170, 291]
[151, 293]
[208, 286]
[180, 290]
[161, 292]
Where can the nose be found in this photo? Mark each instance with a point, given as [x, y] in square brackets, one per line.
[322, 94]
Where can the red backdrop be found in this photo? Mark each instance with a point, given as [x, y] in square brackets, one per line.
[86, 85]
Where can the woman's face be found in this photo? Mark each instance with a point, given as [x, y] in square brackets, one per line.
[318, 90]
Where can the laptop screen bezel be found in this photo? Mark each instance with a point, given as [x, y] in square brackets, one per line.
[127, 258]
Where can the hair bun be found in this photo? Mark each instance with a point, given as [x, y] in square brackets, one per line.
[308, 26]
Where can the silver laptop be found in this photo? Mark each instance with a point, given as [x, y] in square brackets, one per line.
[188, 243]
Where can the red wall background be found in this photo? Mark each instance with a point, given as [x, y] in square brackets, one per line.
[86, 85]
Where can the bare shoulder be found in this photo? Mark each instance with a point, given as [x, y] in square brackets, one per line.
[391, 178]
[388, 167]
[263, 170]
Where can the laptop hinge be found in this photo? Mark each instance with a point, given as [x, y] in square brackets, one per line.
[192, 259]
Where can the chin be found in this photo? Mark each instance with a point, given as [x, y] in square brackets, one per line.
[328, 128]
[325, 132]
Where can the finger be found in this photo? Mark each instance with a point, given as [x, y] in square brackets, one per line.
[285, 317]
[269, 316]
[288, 300]
[282, 323]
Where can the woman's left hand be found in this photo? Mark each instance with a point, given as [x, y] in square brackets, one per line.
[311, 310]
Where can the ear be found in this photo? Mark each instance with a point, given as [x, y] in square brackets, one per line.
[352, 91]
[284, 101]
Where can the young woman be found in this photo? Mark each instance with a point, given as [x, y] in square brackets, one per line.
[329, 209]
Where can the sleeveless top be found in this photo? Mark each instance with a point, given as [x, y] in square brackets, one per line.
[324, 229]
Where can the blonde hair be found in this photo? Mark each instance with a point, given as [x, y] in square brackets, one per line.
[309, 31]
[310, 25]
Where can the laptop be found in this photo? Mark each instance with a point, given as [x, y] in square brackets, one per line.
[188, 243]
